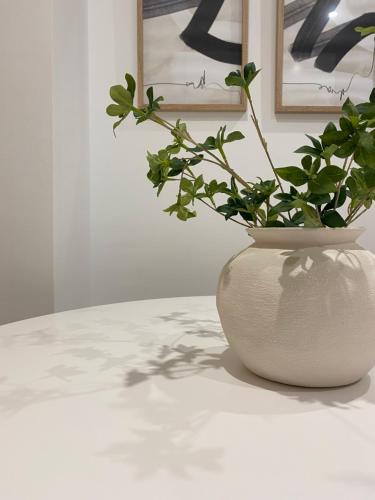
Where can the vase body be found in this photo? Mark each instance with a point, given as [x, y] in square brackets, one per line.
[298, 306]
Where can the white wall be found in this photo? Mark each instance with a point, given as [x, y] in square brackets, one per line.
[138, 251]
[71, 154]
[26, 273]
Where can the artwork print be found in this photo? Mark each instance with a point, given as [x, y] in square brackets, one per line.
[186, 48]
[321, 59]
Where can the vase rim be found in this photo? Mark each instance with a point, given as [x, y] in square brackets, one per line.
[304, 236]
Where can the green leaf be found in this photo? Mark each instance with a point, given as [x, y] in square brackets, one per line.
[347, 149]
[250, 72]
[328, 152]
[367, 110]
[283, 206]
[234, 79]
[131, 84]
[117, 124]
[352, 186]
[369, 176]
[308, 150]
[316, 142]
[330, 127]
[346, 125]
[340, 200]
[369, 30]
[187, 186]
[366, 149]
[318, 199]
[294, 175]
[184, 214]
[372, 95]
[307, 163]
[116, 110]
[335, 174]
[325, 181]
[349, 109]
[122, 96]
[198, 183]
[234, 136]
[311, 215]
[336, 137]
[298, 217]
[332, 218]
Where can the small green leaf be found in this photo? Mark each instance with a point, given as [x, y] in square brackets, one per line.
[294, 175]
[347, 149]
[369, 30]
[315, 142]
[131, 84]
[332, 218]
[234, 79]
[349, 109]
[234, 136]
[311, 216]
[187, 185]
[335, 174]
[116, 110]
[122, 96]
[318, 199]
[308, 150]
[336, 137]
[307, 163]
[369, 176]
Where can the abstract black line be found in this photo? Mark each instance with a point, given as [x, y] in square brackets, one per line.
[313, 26]
[201, 84]
[342, 43]
[340, 92]
[196, 35]
[295, 11]
[157, 8]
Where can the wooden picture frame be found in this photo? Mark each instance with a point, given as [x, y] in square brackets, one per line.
[241, 106]
[341, 90]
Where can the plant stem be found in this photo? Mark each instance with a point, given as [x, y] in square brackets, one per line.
[223, 164]
[358, 215]
[353, 213]
[345, 167]
[261, 138]
[191, 174]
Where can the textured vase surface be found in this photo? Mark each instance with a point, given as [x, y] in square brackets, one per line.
[298, 306]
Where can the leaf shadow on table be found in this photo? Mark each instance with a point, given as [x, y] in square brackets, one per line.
[177, 361]
[174, 420]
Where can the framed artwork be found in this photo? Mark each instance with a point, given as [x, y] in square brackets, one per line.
[186, 48]
[321, 59]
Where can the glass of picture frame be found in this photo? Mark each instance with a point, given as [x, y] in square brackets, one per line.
[321, 58]
[186, 48]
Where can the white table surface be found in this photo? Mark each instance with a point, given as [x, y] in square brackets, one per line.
[143, 400]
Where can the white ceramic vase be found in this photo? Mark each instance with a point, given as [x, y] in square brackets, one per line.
[298, 306]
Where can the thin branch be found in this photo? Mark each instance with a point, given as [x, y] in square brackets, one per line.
[261, 138]
[345, 167]
[358, 215]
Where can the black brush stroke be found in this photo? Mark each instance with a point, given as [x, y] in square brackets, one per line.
[157, 8]
[295, 11]
[313, 26]
[196, 35]
[342, 43]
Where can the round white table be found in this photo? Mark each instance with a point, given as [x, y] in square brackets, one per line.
[144, 400]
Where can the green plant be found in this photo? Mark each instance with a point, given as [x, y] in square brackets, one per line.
[337, 169]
